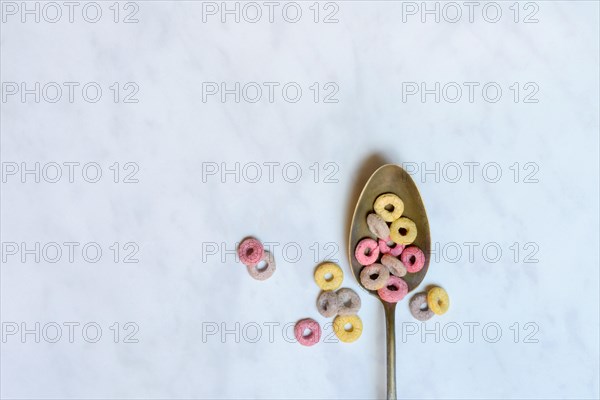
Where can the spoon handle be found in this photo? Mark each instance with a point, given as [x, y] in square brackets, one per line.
[390, 334]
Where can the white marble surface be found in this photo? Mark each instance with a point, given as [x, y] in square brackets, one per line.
[172, 294]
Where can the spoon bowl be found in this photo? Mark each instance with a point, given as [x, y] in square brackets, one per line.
[390, 178]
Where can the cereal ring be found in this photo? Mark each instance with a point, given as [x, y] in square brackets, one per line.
[348, 300]
[413, 258]
[416, 307]
[327, 304]
[384, 247]
[347, 335]
[389, 207]
[261, 273]
[329, 283]
[437, 300]
[250, 251]
[377, 226]
[394, 290]
[394, 265]
[312, 337]
[403, 231]
[367, 251]
[374, 276]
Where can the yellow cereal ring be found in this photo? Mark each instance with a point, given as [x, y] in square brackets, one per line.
[403, 231]
[392, 201]
[351, 335]
[334, 282]
[437, 300]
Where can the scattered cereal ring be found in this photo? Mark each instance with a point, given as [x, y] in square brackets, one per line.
[267, 271]
[374, 276]
[389, 206]
[250, 251]
[384, 247]
[312, 337]
[325, 282]
[416, 307]
[394, 290]
[395, 266]
[347, 335]
[349, 302]
[377, 226]
[413, 258]
[367, 251]
[437, 300]
[327, 304]
[403, 231]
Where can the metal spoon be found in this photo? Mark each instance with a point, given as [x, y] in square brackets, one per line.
[390, 179]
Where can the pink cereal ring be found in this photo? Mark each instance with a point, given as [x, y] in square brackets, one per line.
[385, 249]
[394, 290]
[312, 337]
[413, 259]
[367, 251]
[250, 251]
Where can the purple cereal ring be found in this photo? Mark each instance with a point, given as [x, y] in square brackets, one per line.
[394, 290]
[314, 334]
[367, 251]
[378, 226]
[349, 301]
[385, 249]
[261, 274]
[419, 308]
[328, 304]
[394, 265]
[413, 259]
[374, 276]
[250, 251]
